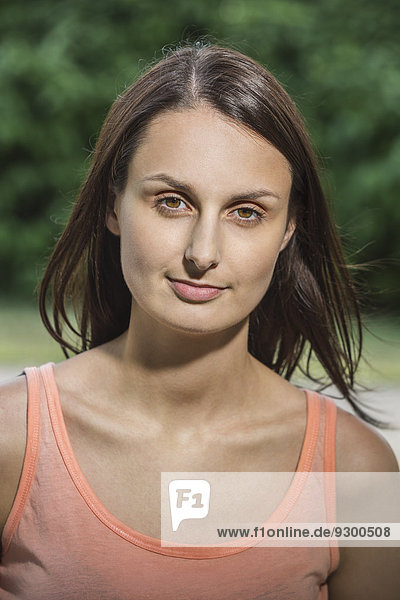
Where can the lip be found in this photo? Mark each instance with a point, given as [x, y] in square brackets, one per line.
[193, 283]
[192, 291]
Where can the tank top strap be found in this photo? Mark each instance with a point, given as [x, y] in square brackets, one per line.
[329, 469]
[330, 435]
[30, 457]
[321, 418]
[309, 449]
[320, 451]
[51, 391]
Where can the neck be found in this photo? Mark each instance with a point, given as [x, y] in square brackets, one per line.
[182, 377]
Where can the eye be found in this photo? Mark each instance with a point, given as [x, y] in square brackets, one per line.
[258, 216]
[246, 220]
[168, 209]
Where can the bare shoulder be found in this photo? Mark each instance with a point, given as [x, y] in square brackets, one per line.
[364, 572]
[13, 412]
[360, 447]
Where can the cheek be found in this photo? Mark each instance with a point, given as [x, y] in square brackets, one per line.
[257, 279]
[143, 250]
[258, 264]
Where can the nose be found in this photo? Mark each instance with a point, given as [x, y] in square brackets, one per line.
[202, 249]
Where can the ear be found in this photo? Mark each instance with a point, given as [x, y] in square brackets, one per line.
[112, 218]
[291, 226]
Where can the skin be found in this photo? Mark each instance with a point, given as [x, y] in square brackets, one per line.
[203, 240]
[161, 381]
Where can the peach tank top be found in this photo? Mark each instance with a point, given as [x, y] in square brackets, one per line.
[61, 543]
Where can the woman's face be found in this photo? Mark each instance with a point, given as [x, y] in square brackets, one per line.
[186, 214]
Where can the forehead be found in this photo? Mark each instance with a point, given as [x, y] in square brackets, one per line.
[209, 149]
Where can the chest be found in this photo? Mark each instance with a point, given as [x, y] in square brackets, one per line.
[123, 462]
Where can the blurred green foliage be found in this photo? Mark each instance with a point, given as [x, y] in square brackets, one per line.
[63, 62]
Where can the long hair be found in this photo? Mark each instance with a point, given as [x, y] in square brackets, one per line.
[311, 305]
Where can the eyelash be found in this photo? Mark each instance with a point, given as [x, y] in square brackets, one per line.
[168, 212]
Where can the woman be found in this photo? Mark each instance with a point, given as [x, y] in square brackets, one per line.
[202, 262]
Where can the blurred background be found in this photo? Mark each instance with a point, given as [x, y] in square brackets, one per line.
[62, 63]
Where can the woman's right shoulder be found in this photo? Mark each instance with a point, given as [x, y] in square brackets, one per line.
[13, 422]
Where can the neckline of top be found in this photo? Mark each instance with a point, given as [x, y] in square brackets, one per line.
[153, 544]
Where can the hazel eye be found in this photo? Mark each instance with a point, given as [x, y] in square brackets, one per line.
[247, 210]
[252, 216]
[171, 199]
[246, 220]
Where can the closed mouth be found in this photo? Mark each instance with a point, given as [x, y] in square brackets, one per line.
[195, 284]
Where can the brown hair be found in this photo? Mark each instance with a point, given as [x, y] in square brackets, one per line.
[311, 302]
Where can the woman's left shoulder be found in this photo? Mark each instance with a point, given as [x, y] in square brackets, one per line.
[360, 447]
[364, 572]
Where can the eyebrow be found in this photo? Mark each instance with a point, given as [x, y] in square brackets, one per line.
[185, 187]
